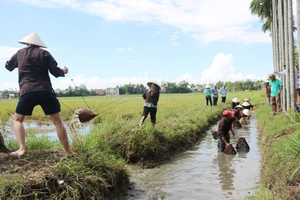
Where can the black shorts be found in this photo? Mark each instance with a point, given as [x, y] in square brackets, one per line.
[47, 100]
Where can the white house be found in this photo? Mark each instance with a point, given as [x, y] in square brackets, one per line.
[112, 91]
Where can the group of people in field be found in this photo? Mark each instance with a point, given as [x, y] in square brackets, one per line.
[34, 65]
[214, 92]
[274, 89]
[237, 117]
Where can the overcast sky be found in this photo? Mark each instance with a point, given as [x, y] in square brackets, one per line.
[115, 42]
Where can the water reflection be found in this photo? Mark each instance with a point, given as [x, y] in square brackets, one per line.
[48, 129]
[226, 171]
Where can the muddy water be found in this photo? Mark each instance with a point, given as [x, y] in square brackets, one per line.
[49, 129]
[203, 172]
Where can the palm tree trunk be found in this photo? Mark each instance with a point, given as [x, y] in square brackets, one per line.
[291, 75]
[287, 104]
[281, 34]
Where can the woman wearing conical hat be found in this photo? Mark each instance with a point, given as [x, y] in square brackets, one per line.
[34, 65]
[150, 106]
[235, 101]
[246, 116]
[246, 104]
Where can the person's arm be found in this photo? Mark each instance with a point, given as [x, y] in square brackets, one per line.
[280, 73]
[12, 63]
[52, 65]
[281, 87]
[233, 132]
[224, 140]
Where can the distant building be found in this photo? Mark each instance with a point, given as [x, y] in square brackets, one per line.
[112, 91]
[1, 95]
[98, 91]
[11, 96]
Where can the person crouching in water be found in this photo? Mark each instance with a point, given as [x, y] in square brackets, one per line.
[151, 99]
[246, 116]
[247, 105]
[225, 125]
[238, 113]
[235, 101]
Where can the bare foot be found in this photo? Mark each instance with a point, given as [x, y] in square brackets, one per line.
[70, 154]
[18, 153]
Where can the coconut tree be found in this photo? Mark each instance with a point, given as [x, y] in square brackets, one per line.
[278, 18]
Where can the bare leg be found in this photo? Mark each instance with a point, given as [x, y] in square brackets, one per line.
[61, 133]
[20, 134]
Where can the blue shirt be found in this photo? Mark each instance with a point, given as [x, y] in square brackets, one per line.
[215, 92]
[223, 91]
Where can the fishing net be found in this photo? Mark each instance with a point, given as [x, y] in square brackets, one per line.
[229, 150]
[85, 114]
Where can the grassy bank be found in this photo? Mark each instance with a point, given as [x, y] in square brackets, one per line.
[280, 146]
[98, 170]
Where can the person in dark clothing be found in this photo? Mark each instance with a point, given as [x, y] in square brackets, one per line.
[34, 65]
[246, 104]
[225, 125]
[238, 114]
[151, 99]
[268, 92]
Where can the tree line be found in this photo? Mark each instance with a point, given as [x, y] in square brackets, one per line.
[167, 87]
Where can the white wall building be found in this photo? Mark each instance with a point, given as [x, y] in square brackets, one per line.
[112, 91]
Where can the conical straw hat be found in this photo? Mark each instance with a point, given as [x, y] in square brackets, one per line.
[154, 82]
[235, 100]
[34, 39]
[246, 103]
[247, 112]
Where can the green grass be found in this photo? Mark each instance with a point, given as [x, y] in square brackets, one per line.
[116, 140]
[281, 154]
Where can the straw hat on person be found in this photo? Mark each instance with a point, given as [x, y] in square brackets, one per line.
[235, 100]
[246, 100]
[246, 103]
[246, 112]
[239, 106]
[154, 82]
[207, 86]
[33, 39]
[271, 75]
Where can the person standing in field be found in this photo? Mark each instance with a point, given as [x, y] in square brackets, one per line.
[34, 65]
[268, 92]
[276, 88]
[225, 125]
[223, 92]
[296, 72]
[207, 92]
[151, 99]
[215, 93]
